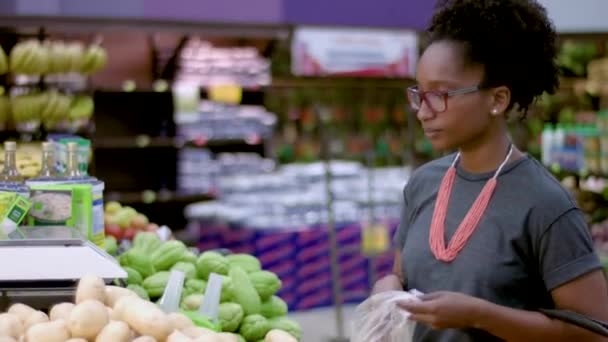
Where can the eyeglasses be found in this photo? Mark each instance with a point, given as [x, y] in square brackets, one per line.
[436, 100]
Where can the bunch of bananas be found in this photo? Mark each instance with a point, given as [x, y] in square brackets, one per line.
[27, 107]
[50, 108]
[31, 57]
[55, 108]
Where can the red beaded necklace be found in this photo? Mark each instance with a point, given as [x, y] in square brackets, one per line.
[471, 220]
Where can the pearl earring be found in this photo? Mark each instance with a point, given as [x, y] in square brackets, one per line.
[494, 111]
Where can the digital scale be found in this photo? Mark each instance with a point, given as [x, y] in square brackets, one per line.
[43, 267]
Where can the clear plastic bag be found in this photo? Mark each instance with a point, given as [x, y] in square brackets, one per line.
[379, 319]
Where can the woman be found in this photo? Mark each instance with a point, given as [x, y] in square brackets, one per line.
[488, 234]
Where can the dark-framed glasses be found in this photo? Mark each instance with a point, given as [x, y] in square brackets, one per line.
[436, 100]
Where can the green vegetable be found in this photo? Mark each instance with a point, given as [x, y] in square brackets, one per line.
[274, 307]
[168, 255]
[140, 291]
[241, 339]
[201, 321]
[266, 283]
[147, 242]
[244, 293]
[254, 327]
[191, 302]
[230, 316]
[155, 284]
[287, 325]
[139, 261]
[195, 286]
[247, 262]
[211, 262]
[227, 290]
[188, 269]
[110, 245]
[189, 257]
[133, 277]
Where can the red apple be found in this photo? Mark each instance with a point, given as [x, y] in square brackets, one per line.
[130, 233]
[114, 230]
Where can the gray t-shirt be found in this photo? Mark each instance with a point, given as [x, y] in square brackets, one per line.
[531, 240]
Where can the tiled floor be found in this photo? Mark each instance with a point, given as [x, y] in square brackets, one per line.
[319, 325]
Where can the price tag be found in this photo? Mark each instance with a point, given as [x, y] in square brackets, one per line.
[227, 93]
[375, 239]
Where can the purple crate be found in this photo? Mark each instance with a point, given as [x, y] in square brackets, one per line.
[349, 235]
[313, 284]
[311, 236]
[313, 267]
[322, 297]
[270, 240]
[283, 269]
[354, 279]
[277, 256]
[313, 252]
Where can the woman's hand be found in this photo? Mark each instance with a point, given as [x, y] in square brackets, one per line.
[445, 310]
[389, 283]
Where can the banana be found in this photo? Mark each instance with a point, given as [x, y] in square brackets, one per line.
[82, 108]
[3, 62]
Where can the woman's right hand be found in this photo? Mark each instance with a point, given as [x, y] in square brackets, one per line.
[389, 283]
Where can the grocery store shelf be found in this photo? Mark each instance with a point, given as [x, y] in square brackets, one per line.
[155, 197]
[341, 82]
[144, 141]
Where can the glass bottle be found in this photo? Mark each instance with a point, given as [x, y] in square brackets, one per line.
[72, 170]
[48, 161]
[10, 172]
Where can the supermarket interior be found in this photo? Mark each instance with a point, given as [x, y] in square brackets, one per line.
[235, 166]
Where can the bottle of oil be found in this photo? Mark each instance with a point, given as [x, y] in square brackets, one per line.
[9, 172]
[11, 181]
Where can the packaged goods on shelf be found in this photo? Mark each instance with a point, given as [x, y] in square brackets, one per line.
[204, 64]
[219, 122]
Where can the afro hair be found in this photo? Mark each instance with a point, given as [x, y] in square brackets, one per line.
[513, 40]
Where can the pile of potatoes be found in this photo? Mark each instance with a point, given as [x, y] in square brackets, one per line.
[103, 314]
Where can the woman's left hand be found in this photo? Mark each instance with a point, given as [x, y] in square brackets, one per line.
[445, 310]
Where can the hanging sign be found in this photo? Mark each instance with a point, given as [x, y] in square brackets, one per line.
[354, 52]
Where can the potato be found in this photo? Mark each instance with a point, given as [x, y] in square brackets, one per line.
[61, 311]
[177, 336]
[118, 313]
[145, 318]
[114, 293]
[7, 339]
[276, 335]
[21, 310]
[91, 287]
[11, 325]
[115, 331]
[55, 331]
[35, 318]
[195, 332]
[87, 319]
[179, 321]
[145, 339]
[228, 337]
